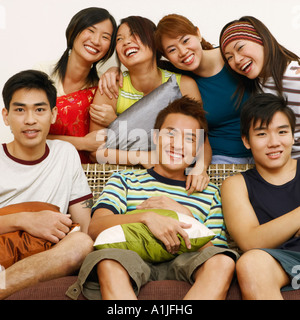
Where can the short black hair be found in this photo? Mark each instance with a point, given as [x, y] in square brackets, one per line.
[29, 79]
[262, 107]
[187, 106]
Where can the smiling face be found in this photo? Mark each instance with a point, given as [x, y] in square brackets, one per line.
[130, 48]
[29, 118]
[177, 144]
[271, 145]
[93, 42]
[184, 52]
[245, 57]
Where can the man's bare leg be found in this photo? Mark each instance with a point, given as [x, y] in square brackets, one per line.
[63, 259]
[212, 279]
[114, 280]
[260, 276]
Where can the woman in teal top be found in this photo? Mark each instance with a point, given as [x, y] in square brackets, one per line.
[182, 44]
[223, 117]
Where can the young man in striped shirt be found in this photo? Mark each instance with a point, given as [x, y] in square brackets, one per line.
[209, 270]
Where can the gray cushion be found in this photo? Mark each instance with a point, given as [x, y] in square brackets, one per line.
[132, 129]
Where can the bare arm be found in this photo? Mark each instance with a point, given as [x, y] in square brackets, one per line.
[198, 178]
[9, 223]
[102, 113]
[88, 143]
[46, 224]
[110, 82]
[103, 108]
[81, 213]
[243, 224]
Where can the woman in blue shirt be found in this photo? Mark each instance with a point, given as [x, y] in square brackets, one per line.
[182, 44]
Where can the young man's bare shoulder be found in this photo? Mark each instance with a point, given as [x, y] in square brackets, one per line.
[235, 181]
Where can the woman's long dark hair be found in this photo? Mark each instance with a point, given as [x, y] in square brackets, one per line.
[80, 21]
[276, 59]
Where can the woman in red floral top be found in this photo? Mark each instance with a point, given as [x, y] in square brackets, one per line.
[90, 39]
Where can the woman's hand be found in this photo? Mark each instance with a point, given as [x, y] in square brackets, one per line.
[196, 181]
[110, 81]
[103, 115]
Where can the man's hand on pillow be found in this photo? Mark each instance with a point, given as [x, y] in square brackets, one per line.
[46, 224]
[166, 229]
[164, 202]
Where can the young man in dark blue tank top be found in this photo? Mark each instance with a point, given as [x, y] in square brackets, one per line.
[262, 205]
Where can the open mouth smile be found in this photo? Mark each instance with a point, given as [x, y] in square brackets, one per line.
[91, 49]
[130, 52]
[175, 156]
[247, 67]
[189, 59]
[274, 155]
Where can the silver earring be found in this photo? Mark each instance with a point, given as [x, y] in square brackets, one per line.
[69, 52]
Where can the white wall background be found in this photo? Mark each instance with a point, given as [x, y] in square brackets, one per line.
[33, 30]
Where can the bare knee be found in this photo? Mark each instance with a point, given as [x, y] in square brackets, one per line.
[250, 265]
[221, 262]
[115, 282]
[213, 278]
[83, 244]
[74, 248]
[105, 267]
[259, 275]
[111, 269]
[112, 276]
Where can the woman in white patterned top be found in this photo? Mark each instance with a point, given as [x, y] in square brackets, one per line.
[262, 64]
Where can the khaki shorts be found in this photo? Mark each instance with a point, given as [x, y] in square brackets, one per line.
[141, 272]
